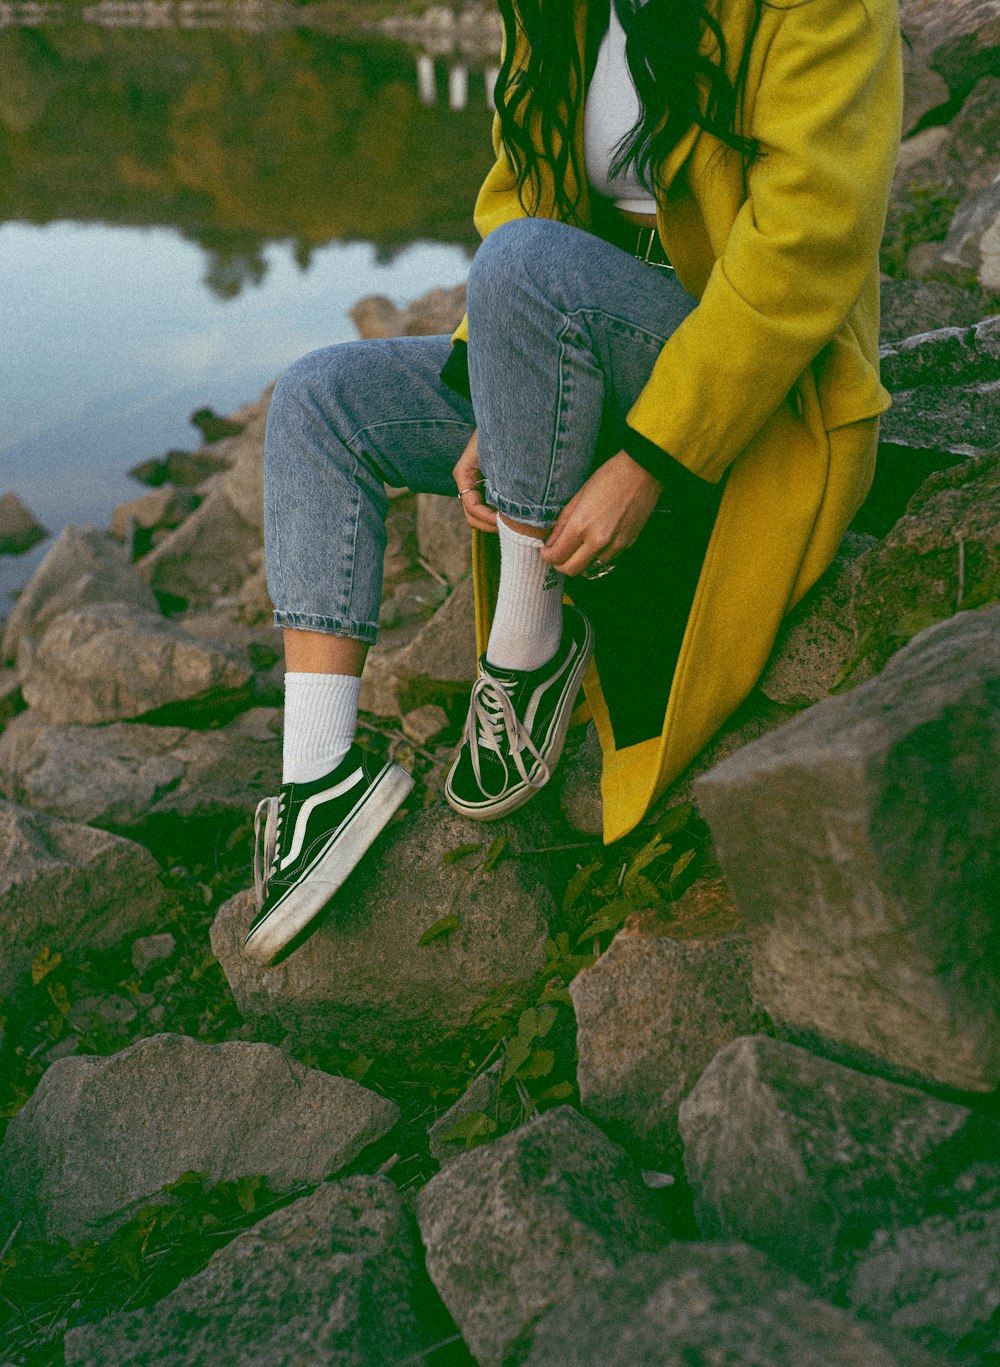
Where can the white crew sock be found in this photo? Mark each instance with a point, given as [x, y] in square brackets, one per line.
[527, 627]
[321, 716]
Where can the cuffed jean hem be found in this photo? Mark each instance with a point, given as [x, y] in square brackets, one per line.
[534, 515]
[336, 626]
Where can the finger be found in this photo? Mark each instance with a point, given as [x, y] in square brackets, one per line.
[477, 513]
[577, 556]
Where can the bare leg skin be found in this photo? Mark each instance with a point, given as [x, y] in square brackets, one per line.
[320, 652]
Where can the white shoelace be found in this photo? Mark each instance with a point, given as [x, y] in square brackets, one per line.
[265, 859]
[491, 719]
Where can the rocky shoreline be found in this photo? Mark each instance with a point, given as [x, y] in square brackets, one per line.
[522, 1097]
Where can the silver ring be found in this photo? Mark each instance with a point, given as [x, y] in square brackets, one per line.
[462, 492]
[598, 569]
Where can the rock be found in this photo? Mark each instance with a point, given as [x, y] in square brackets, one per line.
[84, 566]
[152, 949]
[919, 148]
[973, 144]
[437, 311]
[148, 781]
[328, 1279]
[580, 785]
[166, 507]
[480, 1095]
[379, 682]
[819, 636]
[184, 468]
[439, 664]
[971, 251]
[944, 389]
[362, 976]
[11, 698]
[443, 536]
[757, 716]
[109, 663]
[860, 842]
[652, 1012]
[65, 887]
[718, 1303]
[244, 484]
[938, 1281]
[210, 554]
[425, 724]
[942, 555]
[101, 1135]
[919, 306]
[517, 1226]
[807, 1160]
[19, 528]
[376, 316]
[947, 45]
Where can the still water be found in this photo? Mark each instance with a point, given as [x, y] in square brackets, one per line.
[184, 213]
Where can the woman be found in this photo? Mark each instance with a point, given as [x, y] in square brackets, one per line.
[660, 413]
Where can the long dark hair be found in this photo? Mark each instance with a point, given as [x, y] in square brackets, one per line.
[541, 80]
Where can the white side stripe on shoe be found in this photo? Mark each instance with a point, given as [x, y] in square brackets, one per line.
[310, 805]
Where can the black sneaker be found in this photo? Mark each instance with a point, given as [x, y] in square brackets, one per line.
[516, 727]
[314, 835]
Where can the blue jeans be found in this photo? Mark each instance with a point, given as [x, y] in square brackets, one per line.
[564, 329]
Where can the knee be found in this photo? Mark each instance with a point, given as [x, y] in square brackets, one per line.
[308, 396]
[512, 257]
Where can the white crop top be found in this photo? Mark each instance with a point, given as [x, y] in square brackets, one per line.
[612, 110]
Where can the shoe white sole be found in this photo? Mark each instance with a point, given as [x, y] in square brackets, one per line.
[525, 792]
[331, 869]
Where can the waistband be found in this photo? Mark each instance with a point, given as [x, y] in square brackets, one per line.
[643, 242]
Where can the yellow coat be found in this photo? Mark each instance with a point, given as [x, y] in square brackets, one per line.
[774, 376]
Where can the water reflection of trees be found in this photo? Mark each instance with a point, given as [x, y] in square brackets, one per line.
[235, 139]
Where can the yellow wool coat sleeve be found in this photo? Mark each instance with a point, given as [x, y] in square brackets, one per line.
[824, 86]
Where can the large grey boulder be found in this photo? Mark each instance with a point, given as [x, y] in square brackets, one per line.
[64, 887]
[329, 1279]
[943, 554]
[83, 566]
[101, 1135]
[110, 663]
[517, 1226]
[443, 536]
[807, 1160]
[135, 779]
[722, 1304]
[860, 843]
[363, 976]
[669, 991]
[19, 528]
[945, 389]
[939, 1281]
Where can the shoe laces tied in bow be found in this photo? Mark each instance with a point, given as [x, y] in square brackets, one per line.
[265, 853]
[492, 720]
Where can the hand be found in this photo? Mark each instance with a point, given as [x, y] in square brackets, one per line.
[478, 514]
[603, 518]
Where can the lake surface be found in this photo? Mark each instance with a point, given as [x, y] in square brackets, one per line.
[182, 213]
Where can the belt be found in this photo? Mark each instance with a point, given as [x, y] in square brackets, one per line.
[635, 238]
